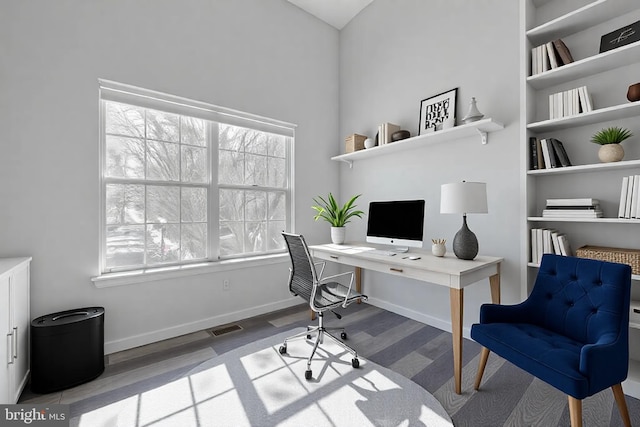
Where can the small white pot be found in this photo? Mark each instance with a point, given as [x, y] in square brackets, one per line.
[438, 249]
[611, 153]
[338, 234]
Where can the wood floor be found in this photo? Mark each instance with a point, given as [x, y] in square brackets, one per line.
[508, 396]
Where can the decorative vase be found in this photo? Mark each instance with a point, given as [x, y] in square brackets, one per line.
[610, 153]
[338, 234]
[438, 249]
[473, 115]
[369, 143]
[633, 94]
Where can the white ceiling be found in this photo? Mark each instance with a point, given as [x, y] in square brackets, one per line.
[336, 13]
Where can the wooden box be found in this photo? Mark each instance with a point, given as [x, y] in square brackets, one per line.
[354, 142]
[623, 256]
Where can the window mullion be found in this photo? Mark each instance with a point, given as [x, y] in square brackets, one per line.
[213, 211]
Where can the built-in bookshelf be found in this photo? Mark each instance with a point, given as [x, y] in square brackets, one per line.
[545, 21]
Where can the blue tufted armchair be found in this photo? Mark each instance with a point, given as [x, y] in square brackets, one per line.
[571, 332]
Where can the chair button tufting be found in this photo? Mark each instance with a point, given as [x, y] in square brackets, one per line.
[594, 310]
[570, 303]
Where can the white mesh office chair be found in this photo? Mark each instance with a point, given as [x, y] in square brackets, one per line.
[322, 294]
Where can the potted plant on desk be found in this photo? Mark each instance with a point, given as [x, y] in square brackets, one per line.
[329, 210]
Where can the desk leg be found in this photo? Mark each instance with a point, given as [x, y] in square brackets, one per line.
[358, 273]
[457, 297]
[494, 282]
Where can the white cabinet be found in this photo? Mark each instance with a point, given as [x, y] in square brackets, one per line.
[580, 24]
[14, 327]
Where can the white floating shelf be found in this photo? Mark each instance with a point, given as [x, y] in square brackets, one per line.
[580, 19]
[626, 164]
[481, 128]
[596, 116]
[595, 220]
[605, 61]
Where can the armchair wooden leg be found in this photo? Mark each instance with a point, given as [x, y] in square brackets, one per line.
[484, 356]
[622, 404]
[575, 411]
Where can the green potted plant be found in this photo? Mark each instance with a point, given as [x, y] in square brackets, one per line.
[329, 210]
[609, 140]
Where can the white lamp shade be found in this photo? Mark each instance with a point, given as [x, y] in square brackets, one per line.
[463, 197]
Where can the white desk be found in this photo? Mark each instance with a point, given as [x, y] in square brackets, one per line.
[446, 271]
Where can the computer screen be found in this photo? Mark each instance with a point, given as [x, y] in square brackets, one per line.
[397, 222]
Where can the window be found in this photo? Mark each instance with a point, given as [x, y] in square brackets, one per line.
[188, 182]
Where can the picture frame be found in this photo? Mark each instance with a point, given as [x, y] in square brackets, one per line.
[438, 112]
[620, 37]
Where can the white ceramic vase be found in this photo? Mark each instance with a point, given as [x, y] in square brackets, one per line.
[611, 153]
[438, 249]
[338, 234]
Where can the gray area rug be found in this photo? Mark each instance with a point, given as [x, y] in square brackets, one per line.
[256, 386]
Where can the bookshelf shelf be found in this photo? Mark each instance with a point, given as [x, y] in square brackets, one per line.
[580, 19]
[480, 128]
[600, 115]
[634, 277]
[626, 164]
[592, 220]
[605, 61]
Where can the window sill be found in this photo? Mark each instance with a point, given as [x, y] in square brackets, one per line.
[152, 274]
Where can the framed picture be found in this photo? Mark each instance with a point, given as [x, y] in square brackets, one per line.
[620, 37]
[438, 112]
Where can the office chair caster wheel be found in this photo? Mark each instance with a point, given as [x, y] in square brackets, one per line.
[282, 349]
[343, 335]
[355, 363]
[307, 374]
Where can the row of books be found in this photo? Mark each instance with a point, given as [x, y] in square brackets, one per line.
[549, 56]
[548, 241]
[570, 102]
[547, 153]
[572, 208]
[630, 197]
[385, 130]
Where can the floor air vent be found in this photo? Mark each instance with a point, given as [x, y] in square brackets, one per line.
[225, 330]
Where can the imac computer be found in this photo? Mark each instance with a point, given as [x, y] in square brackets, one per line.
[399, 223]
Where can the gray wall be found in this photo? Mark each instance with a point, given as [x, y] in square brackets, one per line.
[263, 57]
[393, 55]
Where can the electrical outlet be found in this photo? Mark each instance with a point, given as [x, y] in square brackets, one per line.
[225, 285]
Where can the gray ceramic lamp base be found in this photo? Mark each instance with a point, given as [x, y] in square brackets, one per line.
[465, 243]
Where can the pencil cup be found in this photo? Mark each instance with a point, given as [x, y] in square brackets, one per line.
[438, 249]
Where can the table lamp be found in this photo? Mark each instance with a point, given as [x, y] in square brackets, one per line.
[464, 197]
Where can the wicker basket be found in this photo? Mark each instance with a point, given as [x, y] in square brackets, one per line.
[623, 256]
[354, 142]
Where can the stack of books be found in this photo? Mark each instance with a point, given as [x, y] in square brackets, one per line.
[385, 131]
[549, 56]
[547, 153]
[630, 197]
[548, 241]
[569, 103]
[572, 208]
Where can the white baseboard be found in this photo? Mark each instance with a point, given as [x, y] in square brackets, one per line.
[418, 316]
[187, 328]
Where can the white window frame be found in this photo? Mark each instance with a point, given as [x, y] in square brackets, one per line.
[118, 92]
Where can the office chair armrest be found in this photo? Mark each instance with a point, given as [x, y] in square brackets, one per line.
[604, 358]
[348, 293]
[322, 264]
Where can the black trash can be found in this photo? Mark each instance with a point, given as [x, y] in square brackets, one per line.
[67, 349]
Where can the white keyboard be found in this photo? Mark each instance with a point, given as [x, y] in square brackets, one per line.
[382, 252]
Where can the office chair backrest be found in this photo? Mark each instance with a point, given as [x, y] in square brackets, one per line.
[581, 298]
[303, 272]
